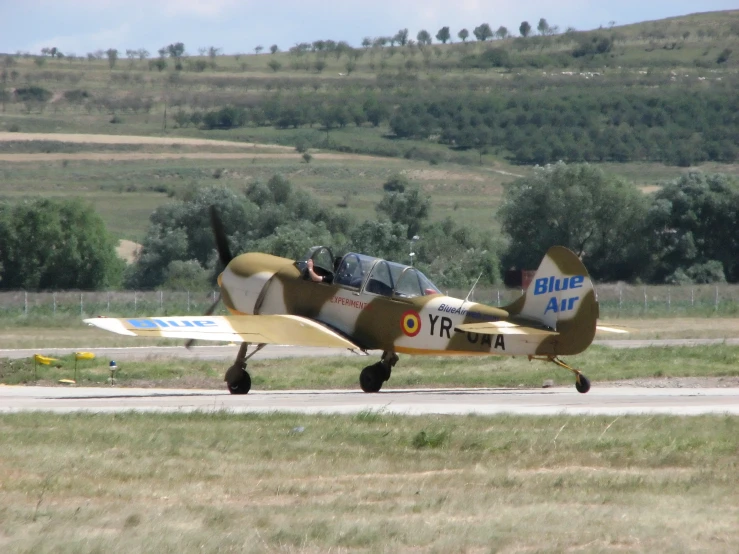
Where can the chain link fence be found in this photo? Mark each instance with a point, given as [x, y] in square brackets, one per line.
[616, 300]
[622, 300]
[114, 303]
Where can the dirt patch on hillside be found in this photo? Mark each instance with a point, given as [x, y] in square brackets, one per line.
[131, 139]
[442, 175]
[128, 250]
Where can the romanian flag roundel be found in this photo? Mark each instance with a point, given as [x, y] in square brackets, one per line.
[410, 323]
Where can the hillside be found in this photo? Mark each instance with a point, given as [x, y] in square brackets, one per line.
[655, 101]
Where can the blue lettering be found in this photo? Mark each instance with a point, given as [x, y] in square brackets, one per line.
[548, 285]
[142, 323]
[205, 323]
[566, 305]
[179, 324]
[540, 286]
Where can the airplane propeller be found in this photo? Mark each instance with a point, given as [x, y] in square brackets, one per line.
[224, 251]
[224, 254]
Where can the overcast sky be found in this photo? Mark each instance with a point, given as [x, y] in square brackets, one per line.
[82, 26]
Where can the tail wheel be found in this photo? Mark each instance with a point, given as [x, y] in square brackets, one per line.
[582, 383]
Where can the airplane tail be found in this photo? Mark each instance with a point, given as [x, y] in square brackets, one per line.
[561, 297]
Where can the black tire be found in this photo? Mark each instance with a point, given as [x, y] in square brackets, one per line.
[582, 384]
[387, 371]
[238, 380]
[371, 379]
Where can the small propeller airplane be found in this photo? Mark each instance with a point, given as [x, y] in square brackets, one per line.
[362, 303]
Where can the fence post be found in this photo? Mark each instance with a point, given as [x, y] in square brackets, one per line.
[53, 296]
[188, 302]
[498, 297]
[669, 300]
[25, 302]
[108, 301]
[161, 300]
[135, 302]
[715, 302]
[81, 304]
[692, 297]
[620, 299]
[645, 299]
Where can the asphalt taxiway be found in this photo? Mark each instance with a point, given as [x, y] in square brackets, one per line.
[599, 401]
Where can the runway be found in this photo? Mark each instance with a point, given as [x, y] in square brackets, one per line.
[599, 401]
[276, 351]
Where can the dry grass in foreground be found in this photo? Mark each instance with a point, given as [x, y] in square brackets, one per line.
[367, 483]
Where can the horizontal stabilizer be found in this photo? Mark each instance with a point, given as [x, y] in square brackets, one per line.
[262, 329]
[502, 328]
[610, 329]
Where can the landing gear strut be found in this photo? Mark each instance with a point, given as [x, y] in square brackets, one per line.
[582, 383]
[373, 376]
[237, 378]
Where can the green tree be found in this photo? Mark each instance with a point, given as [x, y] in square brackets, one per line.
[483, 32]
[181, 231]
[543, 27]
[423, 37]
[274, 65]
[274, 49]
[186, 275]
[598, 216]
[524, 28]
[463, 35]
[112, 54]
[56, 244]
[410, 208]
[401, 37]
[175, 50]
[694, 220]
[443, 35]
[396, 183]
[502, 32]
[384, 239]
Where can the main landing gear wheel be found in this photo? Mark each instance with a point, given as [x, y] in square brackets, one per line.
[582, 383]
[372, 377]
[238, 380]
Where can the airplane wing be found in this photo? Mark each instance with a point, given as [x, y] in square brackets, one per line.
[502, 328]
[268, 329]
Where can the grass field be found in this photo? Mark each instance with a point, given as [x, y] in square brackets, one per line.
[367, 483]
[127, 189]
[599, 363]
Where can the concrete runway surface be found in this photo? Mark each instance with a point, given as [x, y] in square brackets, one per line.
[276, 351]
[599, 401]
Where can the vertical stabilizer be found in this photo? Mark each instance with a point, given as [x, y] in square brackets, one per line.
[561, 297]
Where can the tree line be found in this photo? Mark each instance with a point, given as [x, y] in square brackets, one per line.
[684, 233]
[676, 127]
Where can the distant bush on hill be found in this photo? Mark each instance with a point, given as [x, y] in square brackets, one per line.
[33, 93]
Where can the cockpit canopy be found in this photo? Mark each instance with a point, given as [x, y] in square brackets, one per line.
[367, 274]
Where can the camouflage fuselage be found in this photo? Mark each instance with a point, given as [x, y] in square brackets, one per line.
[258, 283]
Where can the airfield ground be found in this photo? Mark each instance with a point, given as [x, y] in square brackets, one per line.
[366, 483]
